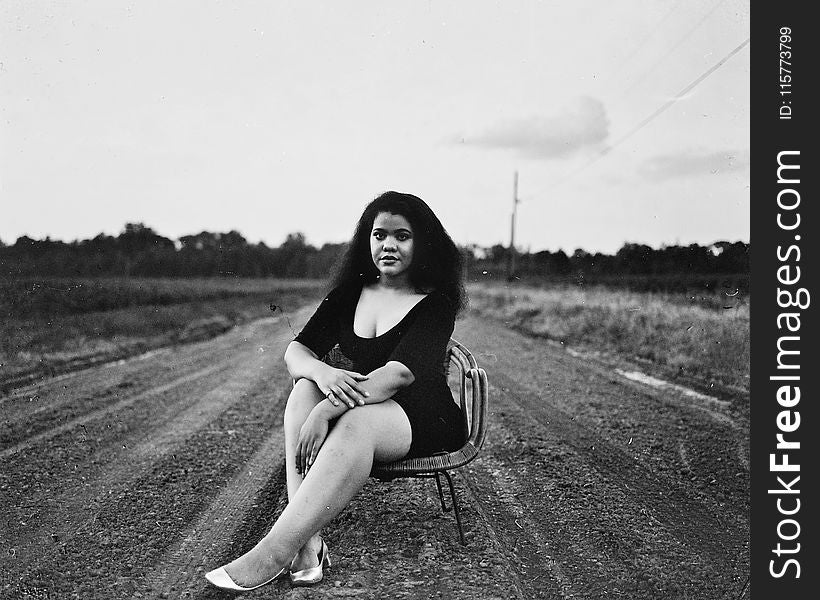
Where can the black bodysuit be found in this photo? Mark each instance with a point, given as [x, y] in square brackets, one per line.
[418, 341]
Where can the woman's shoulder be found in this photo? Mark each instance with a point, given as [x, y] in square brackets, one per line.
[440, 302]
[346, 290]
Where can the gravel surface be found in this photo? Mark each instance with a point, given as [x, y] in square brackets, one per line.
[131, 479]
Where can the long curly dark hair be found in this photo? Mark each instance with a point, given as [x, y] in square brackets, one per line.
[437, 263]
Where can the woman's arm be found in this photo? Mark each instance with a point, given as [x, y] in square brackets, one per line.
[381, 384]
[302, 363]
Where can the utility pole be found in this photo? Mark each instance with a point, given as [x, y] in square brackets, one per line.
[511, 268]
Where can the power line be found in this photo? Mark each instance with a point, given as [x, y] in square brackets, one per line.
[650, 118]
[674, 99]
[614, 72]
[674, 47]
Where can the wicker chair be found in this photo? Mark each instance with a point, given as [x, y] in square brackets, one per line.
[472, 397]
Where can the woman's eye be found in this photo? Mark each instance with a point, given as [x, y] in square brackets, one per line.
[402, 237]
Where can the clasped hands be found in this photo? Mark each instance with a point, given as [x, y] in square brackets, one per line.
[339, 386]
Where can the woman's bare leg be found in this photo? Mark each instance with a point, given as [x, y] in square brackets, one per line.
[303, 398]
[379, 432]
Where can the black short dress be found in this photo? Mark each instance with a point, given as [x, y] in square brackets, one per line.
[418, 341]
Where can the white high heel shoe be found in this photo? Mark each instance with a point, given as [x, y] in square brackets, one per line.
[312, 575]
[220, 578]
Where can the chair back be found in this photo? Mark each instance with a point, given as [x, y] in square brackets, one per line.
[472, 391]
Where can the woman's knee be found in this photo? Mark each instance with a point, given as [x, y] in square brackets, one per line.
[303, 397]
[382, 427]
[373, 421]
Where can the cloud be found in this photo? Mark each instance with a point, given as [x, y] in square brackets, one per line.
[584, 124]
[693, 163]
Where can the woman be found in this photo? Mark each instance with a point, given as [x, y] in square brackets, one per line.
[391, 311]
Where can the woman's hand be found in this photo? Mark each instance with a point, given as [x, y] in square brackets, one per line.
[311, 437]
[343, 384]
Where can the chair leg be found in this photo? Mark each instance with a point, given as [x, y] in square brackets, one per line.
[441, 493]
[455, 508]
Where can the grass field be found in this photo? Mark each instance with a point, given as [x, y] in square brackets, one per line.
[703, 336]
[52, 325]
[38, 297]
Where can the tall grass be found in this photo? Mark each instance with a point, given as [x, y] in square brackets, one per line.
[698, 336]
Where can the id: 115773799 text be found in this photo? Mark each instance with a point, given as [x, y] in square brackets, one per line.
[785, 72]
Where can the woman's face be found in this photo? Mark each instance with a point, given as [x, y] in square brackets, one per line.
[391, 244]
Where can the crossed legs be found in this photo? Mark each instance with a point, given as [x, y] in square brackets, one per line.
[374, 432]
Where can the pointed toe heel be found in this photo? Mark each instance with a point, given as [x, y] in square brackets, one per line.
[220, 578]
[313, 575]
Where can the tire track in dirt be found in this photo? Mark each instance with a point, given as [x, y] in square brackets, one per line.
[555, 506]
[54, 393]
[35, 483]
[33, 410]
[142, 451]
[643, 484]
[698, 523]
[100, 413]
[91, 380]
[591, 401]
[600, 540]
[714, 408]
[181, 569]
[685, 405]
[523, 543]
[166, 360]
[154, 453]
[133, 382]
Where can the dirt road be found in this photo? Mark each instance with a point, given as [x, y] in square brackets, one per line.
[130, 480]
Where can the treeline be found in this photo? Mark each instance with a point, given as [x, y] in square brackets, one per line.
[140, 251]
[637, 266]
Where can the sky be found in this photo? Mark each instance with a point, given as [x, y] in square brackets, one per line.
[625, 121]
